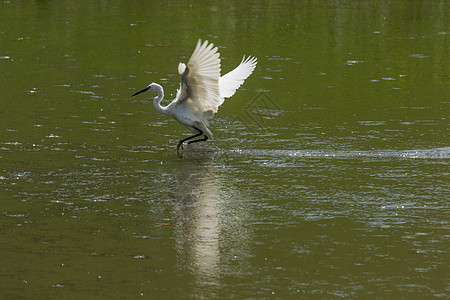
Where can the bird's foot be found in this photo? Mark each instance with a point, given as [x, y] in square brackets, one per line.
[180, 150]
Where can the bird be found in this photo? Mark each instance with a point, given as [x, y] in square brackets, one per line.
[202, 90]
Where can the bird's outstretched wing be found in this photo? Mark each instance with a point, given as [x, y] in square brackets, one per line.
[200, 79]
[230, 82]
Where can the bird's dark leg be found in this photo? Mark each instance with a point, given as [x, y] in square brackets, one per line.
[205, 138]
[200, 132]
[191, 137]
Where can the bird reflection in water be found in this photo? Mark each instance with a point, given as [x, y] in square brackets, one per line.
[207, 221]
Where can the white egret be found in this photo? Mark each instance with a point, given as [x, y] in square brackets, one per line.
[202, 90]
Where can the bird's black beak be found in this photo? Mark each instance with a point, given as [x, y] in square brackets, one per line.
[144, 90]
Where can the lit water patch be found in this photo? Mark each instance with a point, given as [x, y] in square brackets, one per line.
[440, 153]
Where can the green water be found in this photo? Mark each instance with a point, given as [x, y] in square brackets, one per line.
[327, 177]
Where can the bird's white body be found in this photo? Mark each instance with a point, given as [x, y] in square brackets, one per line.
[184, 112]
[202, 89]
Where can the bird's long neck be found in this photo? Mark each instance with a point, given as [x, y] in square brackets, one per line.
[158, 99]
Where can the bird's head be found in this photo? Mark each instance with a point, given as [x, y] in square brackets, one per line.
[152, 87]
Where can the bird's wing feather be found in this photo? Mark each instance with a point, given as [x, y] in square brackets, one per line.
[200, 79]
[230, 82]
